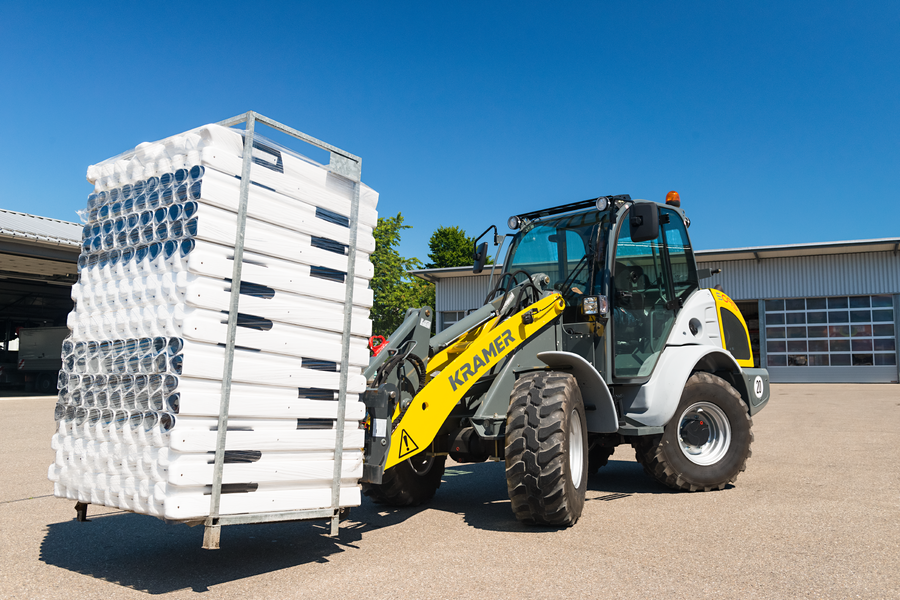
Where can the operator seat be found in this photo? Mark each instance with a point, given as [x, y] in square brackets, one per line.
[630, 322]
[626, 279]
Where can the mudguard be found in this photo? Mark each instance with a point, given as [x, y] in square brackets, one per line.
[655, 402]
[600, 410]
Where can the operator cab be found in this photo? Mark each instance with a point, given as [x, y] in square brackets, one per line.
[613, 256]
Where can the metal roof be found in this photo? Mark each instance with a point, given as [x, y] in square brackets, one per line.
[789, 250]
[43, 230]
[726, 254]
[433, 275]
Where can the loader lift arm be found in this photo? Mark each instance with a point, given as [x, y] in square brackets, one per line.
[450, 374]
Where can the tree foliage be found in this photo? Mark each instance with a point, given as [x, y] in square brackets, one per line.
[450, 247]
[394, 289]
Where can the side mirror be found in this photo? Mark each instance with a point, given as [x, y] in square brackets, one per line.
[481, 255]
[644, 221]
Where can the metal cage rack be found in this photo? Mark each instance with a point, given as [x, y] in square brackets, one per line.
[348, 166]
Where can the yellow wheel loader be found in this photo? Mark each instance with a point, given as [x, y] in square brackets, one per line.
[596, 333]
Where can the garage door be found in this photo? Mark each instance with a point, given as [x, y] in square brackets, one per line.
[834, 339]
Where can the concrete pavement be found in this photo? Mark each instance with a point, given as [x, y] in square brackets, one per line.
[816, 514]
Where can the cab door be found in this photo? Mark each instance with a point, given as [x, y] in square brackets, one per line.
[577, 265]
[642, 301]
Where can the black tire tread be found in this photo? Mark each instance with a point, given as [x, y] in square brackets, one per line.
[598, 457]
[650, 454]
[535, 449]
[402, 486]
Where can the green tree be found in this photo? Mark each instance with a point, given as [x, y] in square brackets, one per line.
[394, 288]
[450, 247]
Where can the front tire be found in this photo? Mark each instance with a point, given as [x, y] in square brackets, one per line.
[409, 483]
[546, 449]
[706, 444]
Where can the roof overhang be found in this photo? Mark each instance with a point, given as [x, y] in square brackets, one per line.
[38, 249]
[28, 248]
[434, 275]
[791, 250]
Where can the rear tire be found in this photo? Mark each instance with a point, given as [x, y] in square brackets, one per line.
[598, 457]
[546, 449]
[409, 483]
[706, 444]
[46, 382]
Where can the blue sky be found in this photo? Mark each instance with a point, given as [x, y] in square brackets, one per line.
[777, 122]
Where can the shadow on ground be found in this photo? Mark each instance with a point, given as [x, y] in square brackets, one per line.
[145, 554]
[478, 493]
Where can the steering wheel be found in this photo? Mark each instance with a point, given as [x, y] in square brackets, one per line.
[569, 283]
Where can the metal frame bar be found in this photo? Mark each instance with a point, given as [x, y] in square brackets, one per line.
[273, 517]
[564, 208]
[346, 165]
[763, 351]
[897, 332]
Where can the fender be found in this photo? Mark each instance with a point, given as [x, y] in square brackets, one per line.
[603, 417]
[655, 402]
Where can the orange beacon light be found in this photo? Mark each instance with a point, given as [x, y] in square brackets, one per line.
[673, 199]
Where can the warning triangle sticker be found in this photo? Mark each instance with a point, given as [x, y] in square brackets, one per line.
[407, 445]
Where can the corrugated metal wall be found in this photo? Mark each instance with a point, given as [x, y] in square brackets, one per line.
[462, 293]
[808, 276]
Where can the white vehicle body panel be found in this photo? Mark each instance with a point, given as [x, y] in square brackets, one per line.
[656, 401]
[702, 307]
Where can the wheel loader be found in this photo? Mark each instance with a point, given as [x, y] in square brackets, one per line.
[596, 333]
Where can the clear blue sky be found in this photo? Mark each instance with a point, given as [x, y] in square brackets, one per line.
[777, 122]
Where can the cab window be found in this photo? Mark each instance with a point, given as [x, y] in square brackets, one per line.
[561, 249]
[681, 257]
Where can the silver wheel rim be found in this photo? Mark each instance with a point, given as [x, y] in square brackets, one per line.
[576, 448]
[421, 464]
[710, 451]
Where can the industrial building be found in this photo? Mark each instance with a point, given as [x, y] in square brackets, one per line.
[38, 265]
[825, 312]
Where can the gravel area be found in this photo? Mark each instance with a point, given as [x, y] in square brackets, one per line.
[815, 515]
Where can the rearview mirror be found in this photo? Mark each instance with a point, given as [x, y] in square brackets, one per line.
[481, 254]
[644, 221]
[707, 273]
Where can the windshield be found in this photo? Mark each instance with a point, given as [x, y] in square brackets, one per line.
[563, 249]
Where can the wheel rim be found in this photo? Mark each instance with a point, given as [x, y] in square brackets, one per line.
[421, 464]
[576, 448]
[704, 433]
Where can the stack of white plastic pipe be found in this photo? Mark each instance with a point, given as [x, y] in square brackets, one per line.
[140, 389]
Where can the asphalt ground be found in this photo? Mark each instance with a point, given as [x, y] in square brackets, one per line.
[815, 515]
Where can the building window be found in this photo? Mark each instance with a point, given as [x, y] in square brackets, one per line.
[450, 317]
[822, 332]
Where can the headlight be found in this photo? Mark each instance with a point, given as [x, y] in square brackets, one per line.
[513, 222]
[595, 305]
[602, 203]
